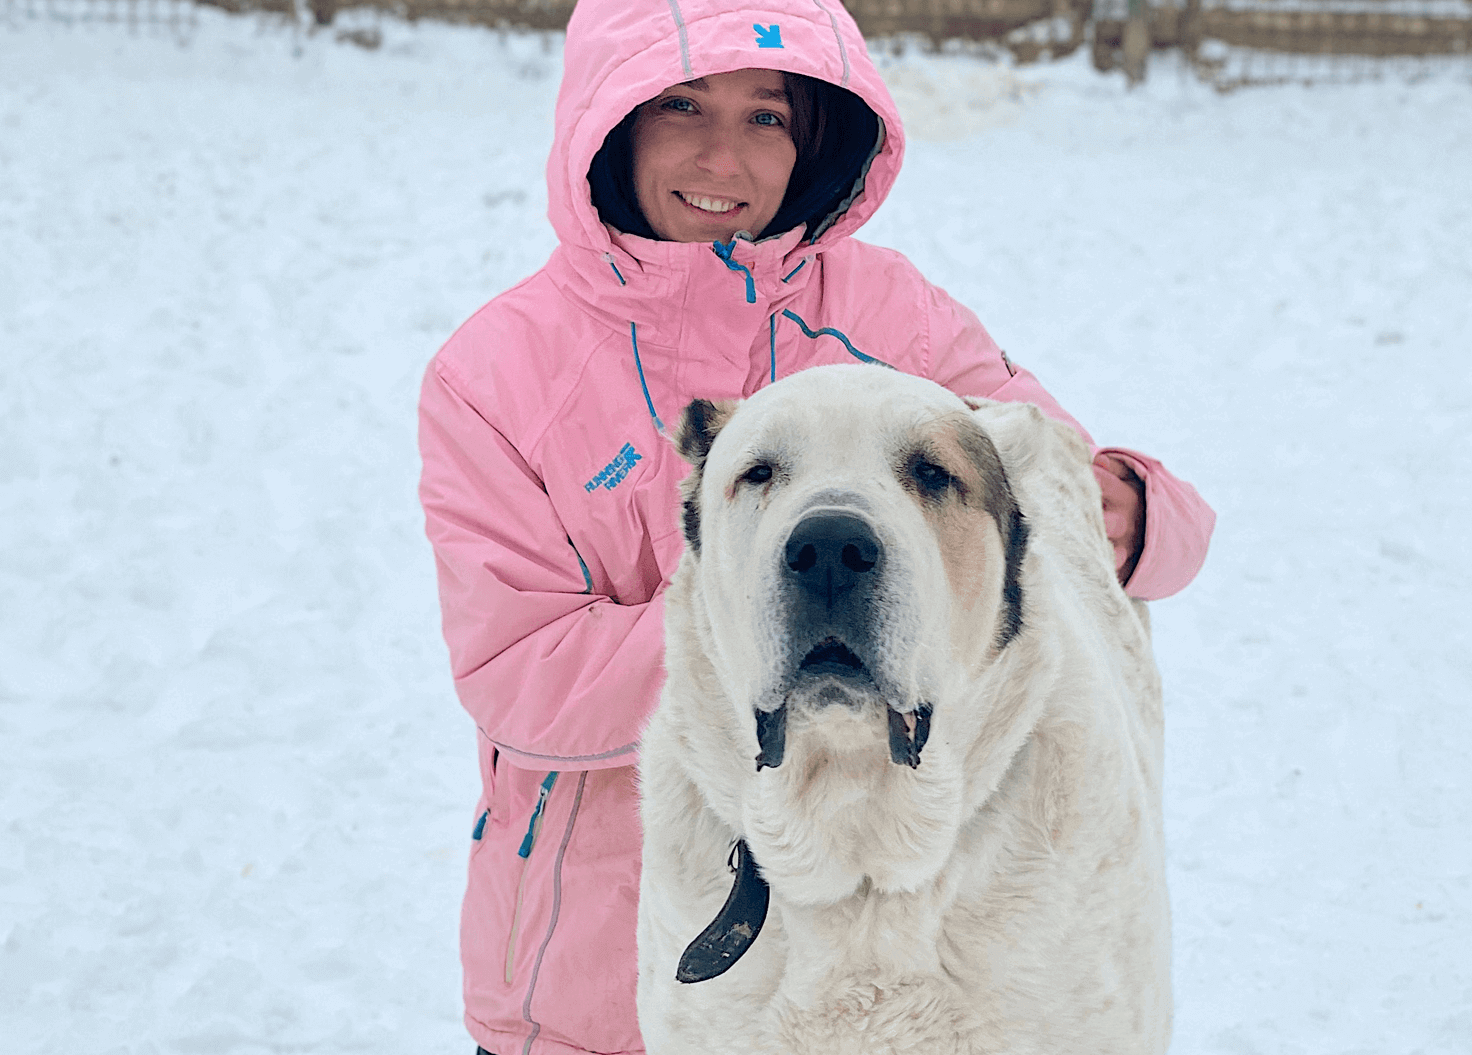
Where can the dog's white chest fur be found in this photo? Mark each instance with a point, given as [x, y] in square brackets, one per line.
[901, 675]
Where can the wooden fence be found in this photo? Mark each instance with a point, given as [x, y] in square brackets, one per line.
[1120, 33]
[1032, 27]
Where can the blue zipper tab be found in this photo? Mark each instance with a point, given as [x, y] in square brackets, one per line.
[535, 824]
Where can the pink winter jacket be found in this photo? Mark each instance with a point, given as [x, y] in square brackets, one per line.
[549, 490]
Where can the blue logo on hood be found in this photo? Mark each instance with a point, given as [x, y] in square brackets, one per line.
[768, 36]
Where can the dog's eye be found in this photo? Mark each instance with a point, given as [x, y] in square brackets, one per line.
[930, 476]
[759, 473]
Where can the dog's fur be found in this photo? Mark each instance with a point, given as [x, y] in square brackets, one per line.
[1008, 893]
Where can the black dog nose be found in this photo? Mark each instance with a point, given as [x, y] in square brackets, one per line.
[829, 554]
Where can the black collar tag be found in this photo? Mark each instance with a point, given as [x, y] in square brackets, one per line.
[735, 927]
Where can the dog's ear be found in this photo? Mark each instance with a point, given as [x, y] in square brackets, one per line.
[699, 425]
[1018, 430]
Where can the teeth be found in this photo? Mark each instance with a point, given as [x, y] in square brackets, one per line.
[709, 204]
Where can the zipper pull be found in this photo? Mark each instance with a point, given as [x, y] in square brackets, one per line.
[535, 824]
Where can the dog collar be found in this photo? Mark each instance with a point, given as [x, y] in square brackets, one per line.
[735, 927]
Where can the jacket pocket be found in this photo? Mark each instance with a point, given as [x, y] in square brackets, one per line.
[528, 843]
[491, 810]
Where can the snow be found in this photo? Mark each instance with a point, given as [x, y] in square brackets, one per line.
[237, 790]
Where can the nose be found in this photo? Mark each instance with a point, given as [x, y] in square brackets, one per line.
[830, 554]
[718, 153]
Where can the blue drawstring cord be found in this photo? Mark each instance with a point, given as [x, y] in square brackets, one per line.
[639, 365]
[772, 342]
[724, 251]
[829, 331]
[608, 259]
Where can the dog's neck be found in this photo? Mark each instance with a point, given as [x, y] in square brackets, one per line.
[866, 967]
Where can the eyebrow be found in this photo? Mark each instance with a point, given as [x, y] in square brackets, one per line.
[779, 94]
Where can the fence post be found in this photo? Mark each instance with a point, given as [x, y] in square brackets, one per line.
[1135, 47]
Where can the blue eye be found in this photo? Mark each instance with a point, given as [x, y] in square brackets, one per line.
[680, 105]
[769, 119]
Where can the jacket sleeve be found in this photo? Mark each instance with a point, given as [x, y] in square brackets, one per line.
[1178, 523]
[555, 675]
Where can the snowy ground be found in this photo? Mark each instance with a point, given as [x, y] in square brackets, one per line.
[236, 788]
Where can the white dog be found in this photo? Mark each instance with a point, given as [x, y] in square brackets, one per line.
[910, 707]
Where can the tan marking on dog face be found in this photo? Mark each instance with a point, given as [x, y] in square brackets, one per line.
[963, 518]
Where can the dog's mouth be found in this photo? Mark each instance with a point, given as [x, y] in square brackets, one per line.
[832, 660]
[831, 656]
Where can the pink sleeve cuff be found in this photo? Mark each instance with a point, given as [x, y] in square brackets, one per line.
[1178, 526]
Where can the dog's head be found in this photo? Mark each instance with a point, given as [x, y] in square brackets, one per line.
[855, 553]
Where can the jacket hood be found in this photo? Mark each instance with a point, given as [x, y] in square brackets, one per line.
[620, 53]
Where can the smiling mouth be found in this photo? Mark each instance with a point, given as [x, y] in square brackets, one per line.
[709, 206]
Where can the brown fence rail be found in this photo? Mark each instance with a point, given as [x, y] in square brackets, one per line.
[542, 15]
[1307, 27]
[1121, 32]
[1329, 32]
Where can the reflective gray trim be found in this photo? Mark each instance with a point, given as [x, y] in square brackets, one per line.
[526, 1005]
[626, 749]
[842, 50]
[858, 188]
[685, 41]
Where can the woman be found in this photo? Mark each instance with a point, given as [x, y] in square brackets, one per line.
[708, 170]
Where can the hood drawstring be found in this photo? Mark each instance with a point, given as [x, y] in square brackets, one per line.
[638, 365]
[724, 252]
[608, 259]
[772, 342]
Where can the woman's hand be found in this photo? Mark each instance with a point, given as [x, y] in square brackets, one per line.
[1124, 512]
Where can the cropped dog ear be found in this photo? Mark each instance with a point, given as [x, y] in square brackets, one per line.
[699, 425]
[1017, 430]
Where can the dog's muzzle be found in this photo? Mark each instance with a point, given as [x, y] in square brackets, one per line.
[833, 571]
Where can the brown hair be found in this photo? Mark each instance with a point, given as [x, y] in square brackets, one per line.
[808, 115]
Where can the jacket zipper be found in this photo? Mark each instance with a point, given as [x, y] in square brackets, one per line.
[534, 826]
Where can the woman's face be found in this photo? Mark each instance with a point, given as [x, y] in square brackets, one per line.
[712, 156]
